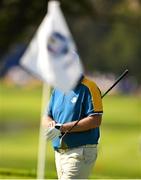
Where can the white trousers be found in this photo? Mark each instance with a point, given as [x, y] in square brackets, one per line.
[75, 163]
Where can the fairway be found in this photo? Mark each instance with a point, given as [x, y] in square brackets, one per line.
[119, 148]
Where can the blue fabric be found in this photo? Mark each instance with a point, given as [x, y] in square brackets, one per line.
[76, 104]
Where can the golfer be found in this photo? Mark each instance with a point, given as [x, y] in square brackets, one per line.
[77, 153]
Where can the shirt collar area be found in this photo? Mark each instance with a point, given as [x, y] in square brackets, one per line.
[75, 88]
[79, 82]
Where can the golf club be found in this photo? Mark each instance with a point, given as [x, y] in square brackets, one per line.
[117, 80]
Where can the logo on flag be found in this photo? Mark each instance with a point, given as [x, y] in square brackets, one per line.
[58, 44]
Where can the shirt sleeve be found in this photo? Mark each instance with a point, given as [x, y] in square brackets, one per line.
[93, 101]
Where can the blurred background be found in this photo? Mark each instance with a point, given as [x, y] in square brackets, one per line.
[108, 37]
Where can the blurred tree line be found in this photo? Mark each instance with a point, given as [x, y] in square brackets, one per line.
[107, 32]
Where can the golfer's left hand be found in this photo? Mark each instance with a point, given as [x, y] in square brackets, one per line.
[52, 132]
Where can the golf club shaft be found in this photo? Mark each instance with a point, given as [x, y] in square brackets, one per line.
[120, 77]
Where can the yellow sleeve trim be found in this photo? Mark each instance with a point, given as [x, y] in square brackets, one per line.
[95, 93]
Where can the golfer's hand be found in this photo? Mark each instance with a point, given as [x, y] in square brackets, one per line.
[52, 132]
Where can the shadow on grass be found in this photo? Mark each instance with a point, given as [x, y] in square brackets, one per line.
[23, 174]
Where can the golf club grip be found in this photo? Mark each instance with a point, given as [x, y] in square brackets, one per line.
[120, 77]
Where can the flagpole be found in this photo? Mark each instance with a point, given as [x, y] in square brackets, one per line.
[41, 159]
[42, 141]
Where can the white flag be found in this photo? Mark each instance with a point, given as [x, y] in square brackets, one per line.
[52, 53]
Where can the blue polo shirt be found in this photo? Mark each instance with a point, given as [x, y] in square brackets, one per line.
[85, 100]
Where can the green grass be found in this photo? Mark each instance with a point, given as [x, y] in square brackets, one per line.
[122, 110]
[119, 154]
[19, 154]
[119, 148]
[18, 103]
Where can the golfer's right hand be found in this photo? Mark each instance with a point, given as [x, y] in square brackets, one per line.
[51, 133]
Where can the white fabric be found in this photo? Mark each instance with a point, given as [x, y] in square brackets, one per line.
[51, 133]
[75, 163]
[54, 65]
